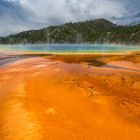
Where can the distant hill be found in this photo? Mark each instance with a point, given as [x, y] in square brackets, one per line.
[91, 31]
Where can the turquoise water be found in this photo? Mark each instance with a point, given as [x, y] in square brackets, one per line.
[66, 48]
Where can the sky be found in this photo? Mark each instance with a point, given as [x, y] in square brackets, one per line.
[21, 15]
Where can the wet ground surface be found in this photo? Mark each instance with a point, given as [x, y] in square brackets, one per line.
[74, 97]
[8, 58]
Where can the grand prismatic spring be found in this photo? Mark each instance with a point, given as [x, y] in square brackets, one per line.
[69, 92]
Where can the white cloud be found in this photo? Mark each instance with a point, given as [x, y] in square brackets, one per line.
[69, 10]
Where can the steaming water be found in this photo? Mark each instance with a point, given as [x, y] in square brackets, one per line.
[66, 48]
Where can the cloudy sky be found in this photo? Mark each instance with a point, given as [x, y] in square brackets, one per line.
[21, 15]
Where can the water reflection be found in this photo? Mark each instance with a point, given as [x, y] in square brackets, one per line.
[96, 60]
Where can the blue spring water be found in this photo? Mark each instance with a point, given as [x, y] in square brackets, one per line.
[68, 48]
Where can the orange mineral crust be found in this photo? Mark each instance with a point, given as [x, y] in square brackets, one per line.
[45, 99]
